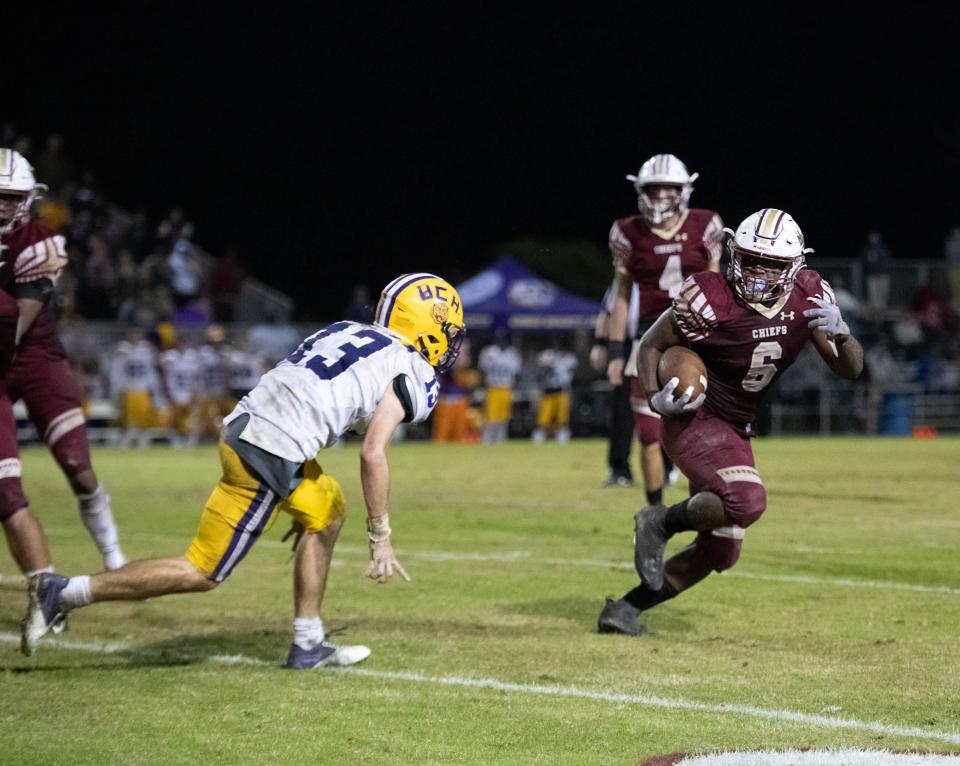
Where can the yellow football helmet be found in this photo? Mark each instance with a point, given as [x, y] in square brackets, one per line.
[426, 311]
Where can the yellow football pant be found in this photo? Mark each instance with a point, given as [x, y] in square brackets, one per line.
[136, 410]
[497, 406]
[241, 508]
[554, 410]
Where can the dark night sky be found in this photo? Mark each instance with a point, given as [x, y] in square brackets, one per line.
[380, 140]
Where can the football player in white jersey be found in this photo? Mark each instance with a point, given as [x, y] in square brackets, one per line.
[500, 364]
[183, 377]
[555, 369]
[366, 378]
[136, 386]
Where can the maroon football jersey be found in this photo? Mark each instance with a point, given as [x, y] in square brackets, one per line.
[745, 346]
[30, 252]
[659, 264]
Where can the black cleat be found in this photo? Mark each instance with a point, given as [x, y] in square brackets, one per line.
[650, 538]
[620, 617]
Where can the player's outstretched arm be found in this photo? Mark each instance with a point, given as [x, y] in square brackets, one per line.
[833, 341]
[375, 479]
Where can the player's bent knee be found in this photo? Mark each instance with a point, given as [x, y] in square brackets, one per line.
[721, 547]
[12, 498]
[198, 580]
[744, 505]
[72, 452]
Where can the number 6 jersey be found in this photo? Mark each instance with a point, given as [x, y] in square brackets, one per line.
[332, 384]
[745, 346]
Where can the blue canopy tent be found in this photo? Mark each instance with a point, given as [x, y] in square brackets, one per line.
[509, 296]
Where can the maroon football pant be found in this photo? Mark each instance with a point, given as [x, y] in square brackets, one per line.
[648, 424]
[715, 458]
[53, 400]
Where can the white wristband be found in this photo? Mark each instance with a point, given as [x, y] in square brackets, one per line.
[378, 528]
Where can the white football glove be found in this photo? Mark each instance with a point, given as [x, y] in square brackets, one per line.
[664, 403]
[827, 317]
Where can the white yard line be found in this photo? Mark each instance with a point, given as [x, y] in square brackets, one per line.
[526, 557]
[645, 700]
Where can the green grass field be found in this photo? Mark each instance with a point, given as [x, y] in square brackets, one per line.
[839, 626]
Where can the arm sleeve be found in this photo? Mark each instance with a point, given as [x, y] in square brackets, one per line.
[415, 402]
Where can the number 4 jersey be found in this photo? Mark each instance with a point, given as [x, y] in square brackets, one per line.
[745, 346]
[332, 384]
[659, 261]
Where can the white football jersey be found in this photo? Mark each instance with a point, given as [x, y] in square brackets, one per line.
[134, 368]
[244, 370]
[500, 366]
[213, 365]
[330, 385]
[181, 373]
[557, 368]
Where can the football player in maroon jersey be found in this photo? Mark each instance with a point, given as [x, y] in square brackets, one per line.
[748, 327]
[31, 257]
[657, 250]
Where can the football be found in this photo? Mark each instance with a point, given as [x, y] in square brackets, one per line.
[680, 362]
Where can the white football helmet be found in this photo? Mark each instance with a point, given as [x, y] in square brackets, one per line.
[766, 252]
[662, 170]
[16, 180]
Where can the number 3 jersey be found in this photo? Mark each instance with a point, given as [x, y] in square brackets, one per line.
[332, 384]
[659, 262]
[745, 346]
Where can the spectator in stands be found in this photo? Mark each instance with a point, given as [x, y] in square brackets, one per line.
[932, 312]
[225, 283]
[951, 254]
[127, 286]
[54, 212]
[185, 277]
[98, 281]
[53, 165]
[875, 256]
[359, 308]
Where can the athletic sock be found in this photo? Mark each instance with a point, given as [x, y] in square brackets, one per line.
[76, 593]
[98, 519]
[35, 572]
[654, 496]
[643, 598]
[307, 632]
[676, 518]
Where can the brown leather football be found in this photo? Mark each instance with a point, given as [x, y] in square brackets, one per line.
[685, 364]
